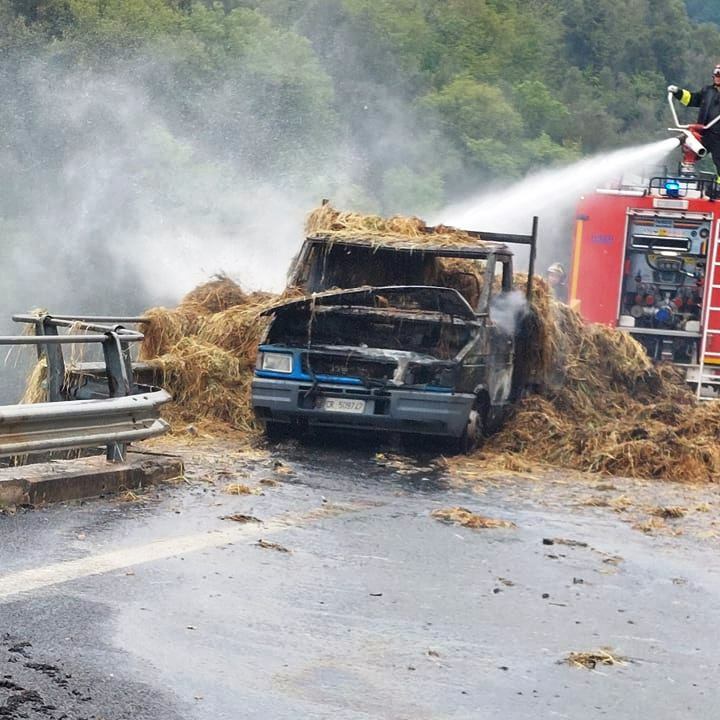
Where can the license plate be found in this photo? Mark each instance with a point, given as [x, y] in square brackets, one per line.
[343, 405]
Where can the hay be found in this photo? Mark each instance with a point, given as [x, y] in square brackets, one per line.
[165, 328]
[670, 512]
[242, 518]
[267, 545]
[590, 660]
[467, 518]
[217, 295]
[327, 223]
[604, 407]
[36, 390]
[204, 350]
[601, 405]
[239, 489]
[205, 382]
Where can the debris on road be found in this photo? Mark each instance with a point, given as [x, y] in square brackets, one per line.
[282, 469]
[129, 496]
[240, 489]
[564, 541]
[271, 546]
[670, 512]
[241, 518]
[590, 660]
[650, 525]
[467, 518]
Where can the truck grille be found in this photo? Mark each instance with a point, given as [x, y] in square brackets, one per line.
[347, 365]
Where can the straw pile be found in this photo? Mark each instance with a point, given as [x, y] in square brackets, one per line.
[205, 349]
[464, 275]
[398, 230]
[604, 407]
[36, 386]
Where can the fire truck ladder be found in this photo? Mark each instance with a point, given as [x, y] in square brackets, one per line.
[711, 304]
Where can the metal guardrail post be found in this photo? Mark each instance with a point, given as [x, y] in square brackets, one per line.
[54, 357]
[116, 452]
[119, 382]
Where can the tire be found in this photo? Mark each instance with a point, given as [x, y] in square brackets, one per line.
[472, 436]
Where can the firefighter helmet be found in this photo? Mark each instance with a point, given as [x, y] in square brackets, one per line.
[557, 268]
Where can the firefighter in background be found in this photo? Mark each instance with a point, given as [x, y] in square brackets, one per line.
[556, 280]
[708, 100]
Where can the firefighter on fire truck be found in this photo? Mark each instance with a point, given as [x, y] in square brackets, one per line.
[708, 100]
[556, 278]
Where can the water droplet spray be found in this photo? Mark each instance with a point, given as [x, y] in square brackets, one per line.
[551, 195]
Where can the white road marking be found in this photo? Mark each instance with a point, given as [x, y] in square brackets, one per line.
[25, 581]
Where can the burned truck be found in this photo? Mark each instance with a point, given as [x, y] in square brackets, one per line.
[396, 334]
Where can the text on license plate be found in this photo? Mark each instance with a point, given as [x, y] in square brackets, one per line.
[343, 405]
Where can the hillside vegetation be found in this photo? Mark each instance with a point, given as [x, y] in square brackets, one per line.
[404, 101]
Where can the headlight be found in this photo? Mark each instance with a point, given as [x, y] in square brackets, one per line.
[276, 362]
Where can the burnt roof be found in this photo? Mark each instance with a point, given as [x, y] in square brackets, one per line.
[432, 244]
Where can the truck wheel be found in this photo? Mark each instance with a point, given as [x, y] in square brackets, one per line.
[472, 436]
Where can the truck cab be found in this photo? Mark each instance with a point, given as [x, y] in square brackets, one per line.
[393, 335]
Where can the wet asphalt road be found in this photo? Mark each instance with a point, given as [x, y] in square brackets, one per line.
[161, 609]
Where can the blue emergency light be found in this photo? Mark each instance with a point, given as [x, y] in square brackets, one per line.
[672, 188]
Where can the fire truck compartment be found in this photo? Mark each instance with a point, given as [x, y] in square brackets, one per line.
[645, 266]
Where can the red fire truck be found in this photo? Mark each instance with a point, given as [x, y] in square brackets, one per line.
[645, 260]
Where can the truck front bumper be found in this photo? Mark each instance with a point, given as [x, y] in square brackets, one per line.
[392, 410]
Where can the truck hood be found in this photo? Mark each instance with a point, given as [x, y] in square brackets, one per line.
[421, 299]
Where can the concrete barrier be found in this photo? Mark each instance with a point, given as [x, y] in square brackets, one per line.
[50, 482]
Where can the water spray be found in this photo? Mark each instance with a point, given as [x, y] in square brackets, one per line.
[553, 192]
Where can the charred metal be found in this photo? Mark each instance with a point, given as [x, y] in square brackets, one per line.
[423, 355]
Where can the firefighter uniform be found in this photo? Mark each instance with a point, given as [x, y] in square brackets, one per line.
[708, 100]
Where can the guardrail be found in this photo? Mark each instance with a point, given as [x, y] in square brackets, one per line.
[113, 422]
[111, 412]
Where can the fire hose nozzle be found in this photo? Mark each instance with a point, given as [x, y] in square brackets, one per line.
[689, 141]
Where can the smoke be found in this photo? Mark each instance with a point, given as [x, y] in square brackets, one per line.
[507, 309]
[112, 204]
[128, 181]
[552, 196]
[121, 210]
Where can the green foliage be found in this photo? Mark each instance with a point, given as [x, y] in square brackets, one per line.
[704, 10]
[472, 111]
[543, 112]
[401, 102]
[119, 25]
